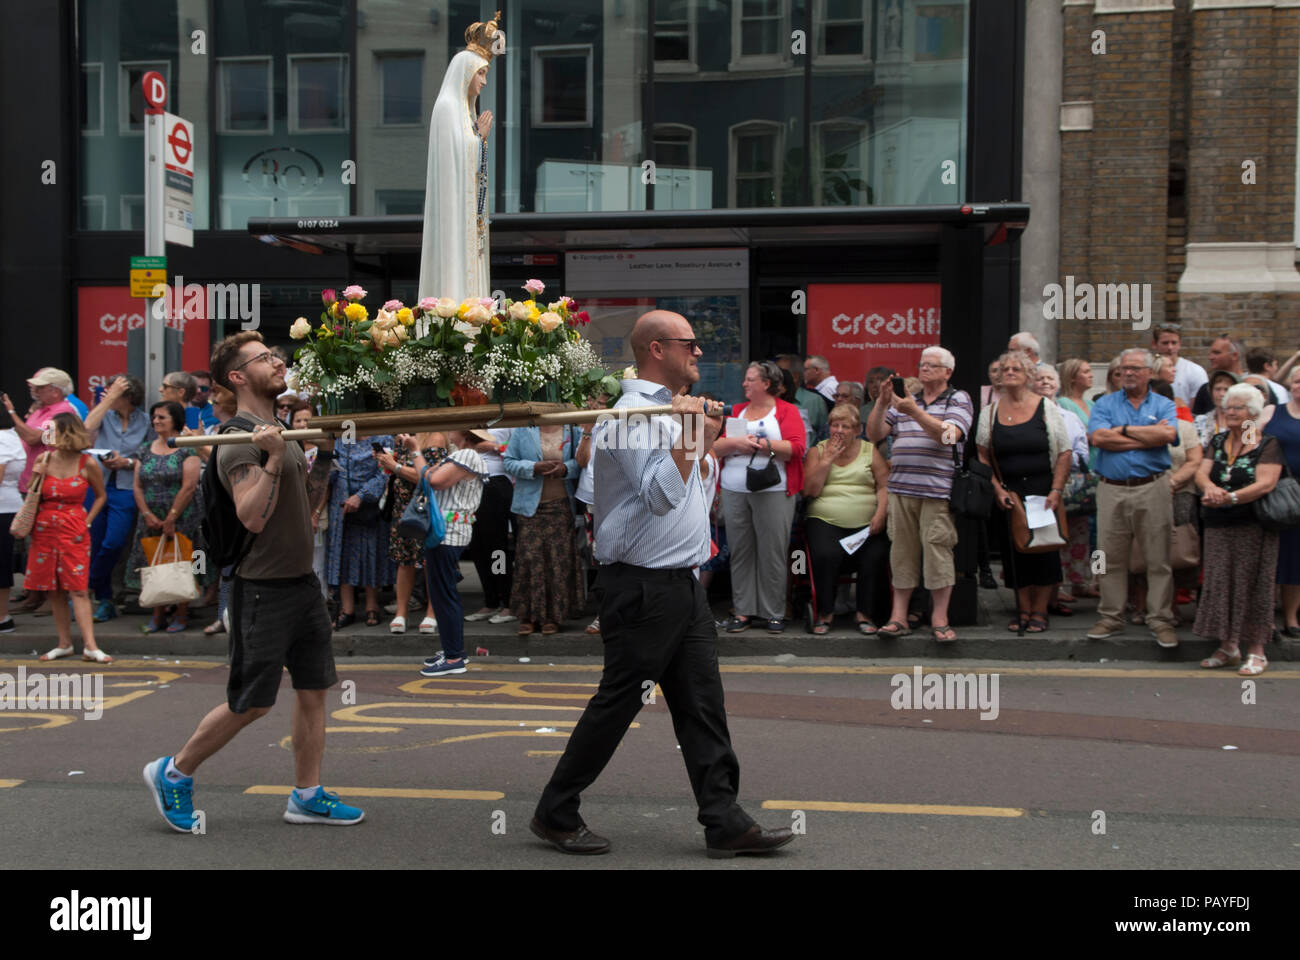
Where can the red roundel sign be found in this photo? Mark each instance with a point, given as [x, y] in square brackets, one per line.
[154, 88]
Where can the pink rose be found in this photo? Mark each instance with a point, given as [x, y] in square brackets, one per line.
[487, 302]
[354, 293]
[328, 296]
[392, 306]
[534, 287]
[429, 304]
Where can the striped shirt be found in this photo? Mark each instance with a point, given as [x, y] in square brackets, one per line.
[459, 501]
[919, 465]
[645, 515]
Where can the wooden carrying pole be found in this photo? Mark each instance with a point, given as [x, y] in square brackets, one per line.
[440, 418]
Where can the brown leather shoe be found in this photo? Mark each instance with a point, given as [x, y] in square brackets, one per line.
[753, 840]
[581, 841]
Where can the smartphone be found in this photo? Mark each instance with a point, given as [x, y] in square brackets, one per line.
[376, 446]
[899, 389]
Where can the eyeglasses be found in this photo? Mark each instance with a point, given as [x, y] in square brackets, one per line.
[927, 365]
[1132, 369]
[202, 389]
[691, 344]
[261, 356]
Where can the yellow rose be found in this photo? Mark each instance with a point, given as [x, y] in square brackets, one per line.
[533, 312]
[405, 316]
[463, 310]
[301, 327]
[549, 321]
[355, 312]
[324, 332]
[446, 307]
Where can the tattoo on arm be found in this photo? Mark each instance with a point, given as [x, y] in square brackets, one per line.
[317, 479]
[270, 498]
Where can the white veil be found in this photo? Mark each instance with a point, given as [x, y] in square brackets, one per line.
[451, 264]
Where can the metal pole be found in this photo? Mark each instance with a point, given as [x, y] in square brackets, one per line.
[154, 246]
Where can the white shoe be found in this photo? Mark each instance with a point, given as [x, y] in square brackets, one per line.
[398, 625]
[481, 615]
[428, 625]
[502, 616]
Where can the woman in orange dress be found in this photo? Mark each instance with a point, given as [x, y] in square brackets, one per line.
[59, 558]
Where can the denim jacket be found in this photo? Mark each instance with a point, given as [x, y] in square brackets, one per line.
[522, 452]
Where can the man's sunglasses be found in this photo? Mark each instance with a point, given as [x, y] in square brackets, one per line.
[691, 343]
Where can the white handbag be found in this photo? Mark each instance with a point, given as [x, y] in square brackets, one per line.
[166, 583]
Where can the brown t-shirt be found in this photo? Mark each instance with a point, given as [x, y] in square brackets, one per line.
[284, 547]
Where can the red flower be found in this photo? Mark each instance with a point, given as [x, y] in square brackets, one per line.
[584, 317]
[328, 296]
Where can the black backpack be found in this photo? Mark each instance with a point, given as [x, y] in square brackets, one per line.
[227, 539]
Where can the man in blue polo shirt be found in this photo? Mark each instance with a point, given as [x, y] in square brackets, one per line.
[1131, 429]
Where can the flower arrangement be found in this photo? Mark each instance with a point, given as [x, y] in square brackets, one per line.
[441, 352]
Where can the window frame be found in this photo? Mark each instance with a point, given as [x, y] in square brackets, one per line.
[91, 200]
[411, 54]
[759, 61]
[841, 59]
[222, 105]
[691, 64]
[862, 128]
[124, 200]
[538, 92]
[345, 93]
[124, 92]
[746, 128]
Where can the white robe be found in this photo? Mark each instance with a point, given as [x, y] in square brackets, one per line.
[451, 263]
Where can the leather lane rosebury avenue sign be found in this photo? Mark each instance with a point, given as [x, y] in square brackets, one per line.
[146, 272]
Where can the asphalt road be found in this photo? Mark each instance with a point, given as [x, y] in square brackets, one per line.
[449, 770]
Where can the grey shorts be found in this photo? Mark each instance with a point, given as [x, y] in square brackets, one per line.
[276, 624]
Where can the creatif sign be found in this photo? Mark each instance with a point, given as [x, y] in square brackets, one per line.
[104, 317]
[857, 326]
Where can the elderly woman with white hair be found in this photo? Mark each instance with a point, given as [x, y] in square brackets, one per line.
[923, 427]
[1241, 466]
[1075, 555]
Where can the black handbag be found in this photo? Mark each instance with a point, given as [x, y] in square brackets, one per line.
[765, 477]
[972, 487]
[1279, 509]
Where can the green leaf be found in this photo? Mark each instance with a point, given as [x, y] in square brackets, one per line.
[383, 376]
[443, 390]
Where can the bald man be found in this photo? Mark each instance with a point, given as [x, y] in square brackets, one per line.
[651, 532]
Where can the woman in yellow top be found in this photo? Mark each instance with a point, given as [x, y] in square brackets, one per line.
[844, 479]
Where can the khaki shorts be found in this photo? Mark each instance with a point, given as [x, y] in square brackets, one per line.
[921, 529]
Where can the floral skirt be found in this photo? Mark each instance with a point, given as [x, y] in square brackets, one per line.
[545, 588]
[1239, 564]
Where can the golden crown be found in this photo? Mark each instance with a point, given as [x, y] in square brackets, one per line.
[479, 36]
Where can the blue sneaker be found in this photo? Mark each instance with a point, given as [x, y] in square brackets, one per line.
[321, 808]
[432, 661]
[175, 801]
[105, 611]
[442, 667]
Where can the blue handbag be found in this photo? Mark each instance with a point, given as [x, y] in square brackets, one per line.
[422, 520]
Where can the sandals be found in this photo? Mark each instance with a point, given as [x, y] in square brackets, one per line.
[525, 629]
[372, 618]
[153, 626]
[344, 620]
[914, 620]
[1221, 658]
[1016, 623]
[96, 656]
[820, 628]
[593, 628]
[398, 625]
[894, 629]
[428, 625]
[867, 628]
[549, 628]
[1255, 664]
[177, 625]
[216, 626]
[1037, 623]
[944, 634]
[1059, 609]
[58, 653]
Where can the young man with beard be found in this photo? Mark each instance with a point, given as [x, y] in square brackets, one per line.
[277, 614]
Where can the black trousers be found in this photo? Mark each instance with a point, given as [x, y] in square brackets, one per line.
[492, 534]
[870, 562]
[656, 626]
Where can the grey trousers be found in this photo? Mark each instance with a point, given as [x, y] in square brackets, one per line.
[758, 532]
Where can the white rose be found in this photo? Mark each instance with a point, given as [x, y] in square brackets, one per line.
[300, 329]
[549, 321]
[446, 307]
[478, 314]
[629, 373]
[518, 310]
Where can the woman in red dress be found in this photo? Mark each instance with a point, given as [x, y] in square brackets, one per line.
[59, 558]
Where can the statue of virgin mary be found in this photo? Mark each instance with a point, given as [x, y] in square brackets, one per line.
[454, 250]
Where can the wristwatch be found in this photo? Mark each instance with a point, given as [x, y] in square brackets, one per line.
[1233, 495]
[1124, 430]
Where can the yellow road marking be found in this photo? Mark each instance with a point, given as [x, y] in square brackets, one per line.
[5, 784]
[1276, 670]
[68, 663]
[940, 810]
[497, 706]
[408, 793]
[359, 730]
[506, 688]
[543, 753]
[361, 714]
[49, 720]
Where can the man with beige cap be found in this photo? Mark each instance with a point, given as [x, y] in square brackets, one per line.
[50, 387]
